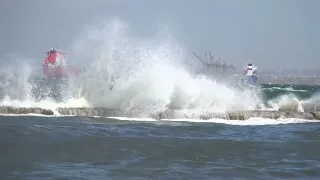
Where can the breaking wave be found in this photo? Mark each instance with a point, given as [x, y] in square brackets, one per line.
[133, 74]
[148, 75]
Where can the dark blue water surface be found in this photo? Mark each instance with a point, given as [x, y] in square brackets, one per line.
[84, 148]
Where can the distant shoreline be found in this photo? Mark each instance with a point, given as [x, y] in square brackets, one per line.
[313, 81]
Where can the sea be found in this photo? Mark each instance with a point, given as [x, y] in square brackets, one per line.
[146, 75]
[40, 147]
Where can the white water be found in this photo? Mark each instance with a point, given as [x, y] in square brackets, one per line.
[249, 122]
[146, 76]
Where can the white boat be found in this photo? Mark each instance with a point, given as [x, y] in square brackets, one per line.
[250, 74]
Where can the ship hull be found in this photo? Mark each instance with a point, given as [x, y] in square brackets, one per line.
[250, 79]
[59, 72]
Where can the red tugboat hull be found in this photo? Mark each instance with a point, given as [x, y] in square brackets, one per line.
[59, 72]
[54, 66]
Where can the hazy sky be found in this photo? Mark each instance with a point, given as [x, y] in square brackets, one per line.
[273, 33]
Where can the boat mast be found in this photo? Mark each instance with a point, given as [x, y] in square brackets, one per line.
[214, 63]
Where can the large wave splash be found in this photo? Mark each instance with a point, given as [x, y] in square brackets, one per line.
[142, 75]
[147, 75]
[19, 78]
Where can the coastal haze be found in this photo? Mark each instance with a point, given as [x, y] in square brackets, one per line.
[150, 101]
[277, 36]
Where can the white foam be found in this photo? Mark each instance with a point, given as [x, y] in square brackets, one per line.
[249, 122]
[288, 89]
[138, 75]
[285, 100]
[46, 103]
[313, 99]
[147, 75]
[252, 121]
[133, 119]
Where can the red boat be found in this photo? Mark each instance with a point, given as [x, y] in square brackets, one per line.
[55, 65]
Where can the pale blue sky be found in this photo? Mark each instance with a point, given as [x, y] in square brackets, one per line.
[273, 33]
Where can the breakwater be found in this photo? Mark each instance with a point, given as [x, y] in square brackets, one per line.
[310, 111]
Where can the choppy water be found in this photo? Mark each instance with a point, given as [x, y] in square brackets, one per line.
[148, 75]
[90, 148]
[302, 92]
[83, 148]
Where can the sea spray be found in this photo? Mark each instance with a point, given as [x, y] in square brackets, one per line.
[14, 81]
[148, 75]
[136, 75]
[141, 75]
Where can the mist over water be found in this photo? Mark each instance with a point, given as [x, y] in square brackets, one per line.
[121, 71]
[147, 75]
